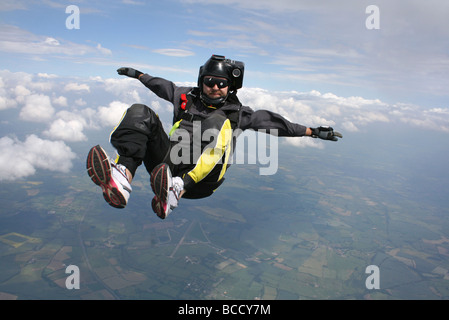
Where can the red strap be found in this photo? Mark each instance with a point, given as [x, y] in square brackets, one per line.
[184, 101]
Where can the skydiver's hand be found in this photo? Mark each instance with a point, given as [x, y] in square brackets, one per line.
[130, 72]
[326, 133]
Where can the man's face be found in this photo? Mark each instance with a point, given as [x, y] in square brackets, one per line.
[215, 87]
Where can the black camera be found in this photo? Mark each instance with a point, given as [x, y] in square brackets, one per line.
[236, 68]
[219, 66]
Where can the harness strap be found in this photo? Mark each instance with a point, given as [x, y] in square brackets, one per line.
[187, 101]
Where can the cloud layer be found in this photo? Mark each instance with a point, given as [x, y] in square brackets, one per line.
[65, 111]
[22, 158]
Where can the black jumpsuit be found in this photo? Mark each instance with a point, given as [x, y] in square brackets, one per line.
[140, 136]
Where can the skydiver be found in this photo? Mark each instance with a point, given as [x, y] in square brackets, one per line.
[140, 137]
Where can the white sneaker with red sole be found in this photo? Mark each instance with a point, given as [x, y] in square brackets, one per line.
[111, 177]
[167, 190]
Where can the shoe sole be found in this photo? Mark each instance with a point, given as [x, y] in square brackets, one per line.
[160, 179]
[99, 170]
[157, 208]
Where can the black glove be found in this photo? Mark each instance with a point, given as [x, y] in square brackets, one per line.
[130, 72]
[326, 133]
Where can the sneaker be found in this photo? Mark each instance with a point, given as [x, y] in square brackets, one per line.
[111, 177]
[166, 189]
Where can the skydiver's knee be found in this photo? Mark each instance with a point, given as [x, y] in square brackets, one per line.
[142, 111]
[137, 109]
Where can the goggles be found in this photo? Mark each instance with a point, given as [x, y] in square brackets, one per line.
[211, 82]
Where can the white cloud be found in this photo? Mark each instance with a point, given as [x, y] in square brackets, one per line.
[349, 126]
[71, 130]
[90, 118]
[104, 51]
[155, 105]
[51, 41]
[305, 142]
[111, 115]
[38, 108]
[294, 106]
[41, 85]
[21, 92]
[69, 115]
[16, 40]
[5, 101]
[174, 52]
[70, 126]
[426, 123]
[441, 111]
[47, 76]
[72, 86]
[60, 101]
[350, 114]
[125, 89]
[80, 102]
[370, 116]
[22, 159]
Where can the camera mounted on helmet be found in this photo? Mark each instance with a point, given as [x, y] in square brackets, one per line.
[219, 66]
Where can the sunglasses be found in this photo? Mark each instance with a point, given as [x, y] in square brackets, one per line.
[211, 82]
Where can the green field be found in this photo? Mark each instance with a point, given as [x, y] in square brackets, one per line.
[307, 235]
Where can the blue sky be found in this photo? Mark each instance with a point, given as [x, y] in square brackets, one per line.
[315, 62]
[286, 44]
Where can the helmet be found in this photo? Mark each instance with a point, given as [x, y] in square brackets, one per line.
[219, 66]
